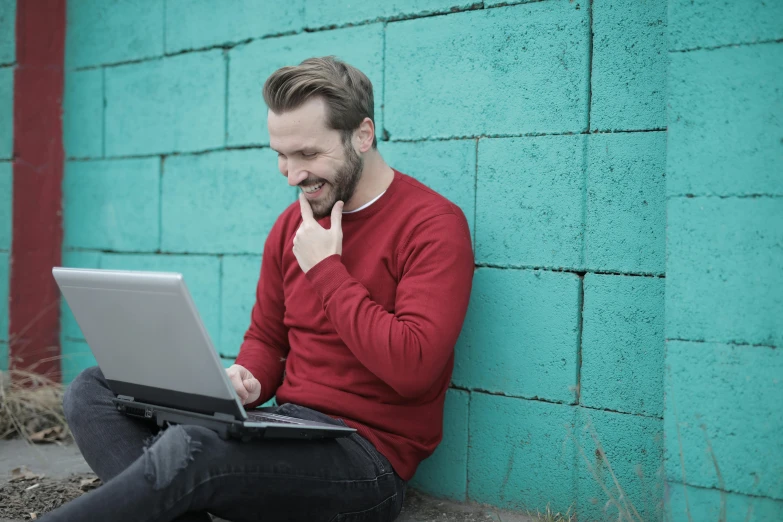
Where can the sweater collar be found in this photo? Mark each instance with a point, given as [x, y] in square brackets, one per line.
[379, 205]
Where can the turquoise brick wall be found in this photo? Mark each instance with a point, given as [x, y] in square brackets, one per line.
[619, 164]
[7, 64]
[724, 284]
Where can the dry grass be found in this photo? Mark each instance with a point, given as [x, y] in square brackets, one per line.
[549, 516]
[31, 407]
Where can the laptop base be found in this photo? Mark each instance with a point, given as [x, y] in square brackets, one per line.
[227, 427]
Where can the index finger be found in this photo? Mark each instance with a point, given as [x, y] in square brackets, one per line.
[239, 386]
[304, 206]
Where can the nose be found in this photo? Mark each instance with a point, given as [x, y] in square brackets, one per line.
[295, 174]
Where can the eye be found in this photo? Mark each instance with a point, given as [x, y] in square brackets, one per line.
[309, 155]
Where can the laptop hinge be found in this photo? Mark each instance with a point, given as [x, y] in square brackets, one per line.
[125, 398]
[224, 417]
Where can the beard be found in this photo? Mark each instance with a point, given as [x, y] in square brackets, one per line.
[343, 185]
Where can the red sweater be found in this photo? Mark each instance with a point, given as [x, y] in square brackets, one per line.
[368, 336]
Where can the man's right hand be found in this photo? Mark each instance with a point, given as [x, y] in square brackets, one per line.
[247, 387]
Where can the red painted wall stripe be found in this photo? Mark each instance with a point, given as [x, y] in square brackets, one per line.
[34, 313]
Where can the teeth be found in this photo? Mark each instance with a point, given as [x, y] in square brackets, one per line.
[313, 188]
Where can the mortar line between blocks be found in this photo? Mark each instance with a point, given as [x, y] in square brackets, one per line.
[219, 335]
[551, 401]
[103, 112]
[726, 196]
[642, 415]
[226, 101]
[256, 146]
[734, 491]
[579, 339]
[590, 65]
[730, 343]
[171, 154]
[160, 204]
[384, 134]
[165, 5]
[585, 199]
[467, 450]
[475, 196]
[723, 46]
[575, 271]
[159, 252]
[522, 135]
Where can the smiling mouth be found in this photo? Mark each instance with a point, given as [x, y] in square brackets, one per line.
[310, 189]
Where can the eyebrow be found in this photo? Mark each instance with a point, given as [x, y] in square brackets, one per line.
[297, 151]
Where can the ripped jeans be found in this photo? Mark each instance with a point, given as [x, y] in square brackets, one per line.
[184, 473]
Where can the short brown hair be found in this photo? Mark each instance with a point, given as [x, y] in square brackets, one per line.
[346, 90]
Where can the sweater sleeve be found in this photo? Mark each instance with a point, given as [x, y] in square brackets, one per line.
[409, 348]
[265, 345]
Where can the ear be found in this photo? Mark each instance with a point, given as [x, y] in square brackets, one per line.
[365, 135]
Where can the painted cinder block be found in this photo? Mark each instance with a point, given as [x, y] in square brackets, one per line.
[628, 80]
[725, 121]
[520, 336]
[3, 356]
[724, 270]
[327, 13]
[176, 104]
[623, 344]
[521, 453]
[630, 448]
[709, 23]
[691, 503]
[444, 473]
[723, 417]
[5, 274]
[83, 114]
[511, 70]
[626, 202]
[112, 204]
[195, 24]
[112, 31]
[530, 201]
[447, 167]
[7, 31]
[201, 275]
[250, 65]
[69, 328]
[221, 202]
[6, 112]
[75, 357]
[6, 204]
[239, 283]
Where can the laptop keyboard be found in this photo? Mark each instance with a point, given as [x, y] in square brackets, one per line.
[271, 417]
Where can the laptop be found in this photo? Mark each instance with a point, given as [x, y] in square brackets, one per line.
[156, 355]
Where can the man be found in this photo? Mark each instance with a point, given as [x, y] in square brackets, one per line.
[363, 289]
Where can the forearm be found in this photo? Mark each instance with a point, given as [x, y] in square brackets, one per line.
[409, 350]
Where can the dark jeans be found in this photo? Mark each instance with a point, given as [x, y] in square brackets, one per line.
[183, 472]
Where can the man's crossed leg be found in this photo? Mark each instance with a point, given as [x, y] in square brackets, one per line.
[183, 472]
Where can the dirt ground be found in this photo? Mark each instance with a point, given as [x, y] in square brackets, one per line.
[29, 498]
[37, 478]
[28, 495]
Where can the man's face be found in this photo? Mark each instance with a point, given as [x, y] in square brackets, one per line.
[314, 157]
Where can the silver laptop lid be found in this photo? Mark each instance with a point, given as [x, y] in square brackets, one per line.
[148, 338]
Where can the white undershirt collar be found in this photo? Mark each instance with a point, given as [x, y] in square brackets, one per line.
[366, 204]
